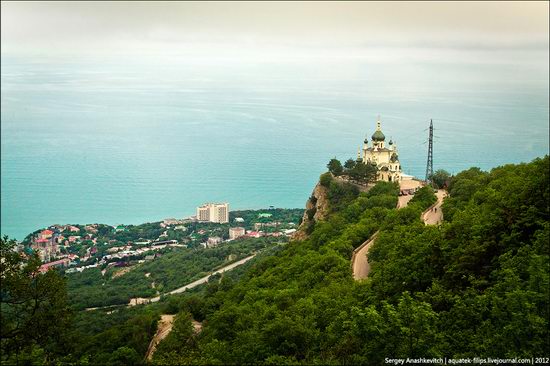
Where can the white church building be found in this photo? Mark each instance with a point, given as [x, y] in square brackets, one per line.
[385, 158]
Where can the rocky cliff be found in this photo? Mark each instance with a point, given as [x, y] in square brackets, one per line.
[316, 209]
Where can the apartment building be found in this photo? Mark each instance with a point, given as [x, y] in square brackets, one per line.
[213, 212]
[236, 232]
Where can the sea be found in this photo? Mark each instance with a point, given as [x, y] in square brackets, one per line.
[134, 141]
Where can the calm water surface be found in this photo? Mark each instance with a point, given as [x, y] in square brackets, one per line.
[87, 142]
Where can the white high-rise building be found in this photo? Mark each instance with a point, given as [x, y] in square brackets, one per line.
[213, 212]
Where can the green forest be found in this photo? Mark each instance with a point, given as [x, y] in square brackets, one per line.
[476, 285]
[172, 270]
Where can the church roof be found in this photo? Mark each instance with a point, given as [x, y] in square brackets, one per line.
[378, 136]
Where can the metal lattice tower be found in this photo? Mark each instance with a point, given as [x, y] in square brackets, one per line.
[430, 163]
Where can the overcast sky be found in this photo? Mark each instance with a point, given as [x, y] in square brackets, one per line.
[275, 28]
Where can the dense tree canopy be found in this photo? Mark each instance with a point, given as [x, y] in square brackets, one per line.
[475, 286]
[92, 288]
[363, 173]
[335, 167]
[356, 171]
[440, 178]
[33, 306]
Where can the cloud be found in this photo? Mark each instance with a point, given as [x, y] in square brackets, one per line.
[72, 27]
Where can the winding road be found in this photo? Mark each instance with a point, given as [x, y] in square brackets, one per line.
[432, 216]
[360, 262]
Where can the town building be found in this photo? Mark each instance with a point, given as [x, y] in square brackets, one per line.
[57, 264]
[120, 228]
[172, 221]
[74, 239]
[47, 249]
[236, 232]
[261, 225]
[255, 234]
[91, 228]
[289, 231]
[385, 158]
[46, 234]
[213, 241]
[213, 212]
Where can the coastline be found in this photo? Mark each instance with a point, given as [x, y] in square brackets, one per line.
[22, 237]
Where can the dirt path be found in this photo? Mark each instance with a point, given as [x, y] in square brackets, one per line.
[163, 329]
[122, 272]
[197, 326]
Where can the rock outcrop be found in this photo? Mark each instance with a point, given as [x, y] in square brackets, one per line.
[316, 210]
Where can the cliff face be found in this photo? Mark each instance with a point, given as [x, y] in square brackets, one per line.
[316, 210]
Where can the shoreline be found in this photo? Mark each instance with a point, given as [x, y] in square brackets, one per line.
[19, 240]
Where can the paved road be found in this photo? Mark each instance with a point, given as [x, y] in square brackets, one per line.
[360, 264]
[141, 300]
[403, 201]
[435, 215]
[205, 279]
[410, 184]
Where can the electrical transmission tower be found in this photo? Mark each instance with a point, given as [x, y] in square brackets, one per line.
[430, 163]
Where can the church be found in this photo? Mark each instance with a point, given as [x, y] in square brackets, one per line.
[385, 158]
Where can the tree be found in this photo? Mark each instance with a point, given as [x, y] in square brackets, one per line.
[370, 171]
[325, 179]
[124, 356]
[424, 196]
[363, 173]
[441, 178]
[335, 167]
[349, 164]
[33, 306]
[180, 339]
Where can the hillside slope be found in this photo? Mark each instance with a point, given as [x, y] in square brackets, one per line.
[477, 285]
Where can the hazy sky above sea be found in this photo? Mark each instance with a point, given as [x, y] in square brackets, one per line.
[252, 32]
